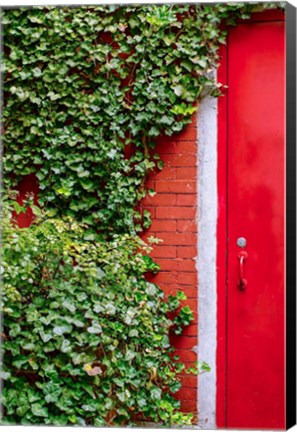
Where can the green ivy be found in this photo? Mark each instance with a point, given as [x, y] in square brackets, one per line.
[82, 85]
[85, 335]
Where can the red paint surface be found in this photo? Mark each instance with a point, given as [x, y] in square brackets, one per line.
[251, 385]
[221, 246]
[173, 211]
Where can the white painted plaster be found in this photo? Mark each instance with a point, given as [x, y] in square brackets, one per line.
[206, 259]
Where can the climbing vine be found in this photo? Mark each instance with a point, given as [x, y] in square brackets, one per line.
[87, 91]
[86, 336]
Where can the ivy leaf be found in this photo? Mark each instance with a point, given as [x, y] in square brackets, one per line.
[156, 393]
[62, 329]
[38, 410]
[36, 72]
[178, 90]
[95, 328]
[69, 305]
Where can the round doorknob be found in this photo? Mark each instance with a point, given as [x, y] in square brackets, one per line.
[241, 242]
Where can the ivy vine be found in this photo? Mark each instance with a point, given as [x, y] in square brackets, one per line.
[86, 336]
[83, 85]
[87, 91]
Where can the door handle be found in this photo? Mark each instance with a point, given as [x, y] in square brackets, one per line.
[242, 257]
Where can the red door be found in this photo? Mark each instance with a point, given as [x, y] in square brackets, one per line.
[255, 380]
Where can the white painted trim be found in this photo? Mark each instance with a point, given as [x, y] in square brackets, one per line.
[206, 259]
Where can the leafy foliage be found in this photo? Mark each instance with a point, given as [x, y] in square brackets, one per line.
[85, 335]
[82, 85]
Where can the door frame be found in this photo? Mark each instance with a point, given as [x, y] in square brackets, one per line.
[222, 249]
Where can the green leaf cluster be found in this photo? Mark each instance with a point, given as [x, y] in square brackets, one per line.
[85, 335]
[82, 86]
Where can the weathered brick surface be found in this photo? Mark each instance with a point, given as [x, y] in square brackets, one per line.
[179, 160]
[175, 186]
[161, 200]
[174, 221]
[188, 406]
[185, 200]
[186, 252]
[186, 225]
[162, 226]
[186, 173]
[175, 212]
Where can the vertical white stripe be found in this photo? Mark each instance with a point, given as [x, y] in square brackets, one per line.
[206, 259]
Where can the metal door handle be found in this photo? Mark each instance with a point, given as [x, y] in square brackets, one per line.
[242, 281]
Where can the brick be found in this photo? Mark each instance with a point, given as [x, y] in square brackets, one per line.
[188, 134]
[150, 183]
[177, 264]
[195, 315]
[186, 252]
[163, 226]
[171, 289]
[190, 290]
[186, 199]
[186, 226]
[187, 393]
[165, 145]
[167, 264]
[179, 160]
[177, 147]
[186, 265]
[160, 200]
[187, 278]
[168, 289]
[166, 173]
[129, 150]
[164, 139]
[175, 213]
[186, 355]
[182, 342]
[165, 278]
[186, 147]
[149, 276]
[188, 406]
[194, 117]
[191, 330]
[163, 252]
[178, 238]
[188, 173]
[176, 186]
[189, 381]
[192, 303]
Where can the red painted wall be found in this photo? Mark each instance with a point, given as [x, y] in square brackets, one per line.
[173, 211]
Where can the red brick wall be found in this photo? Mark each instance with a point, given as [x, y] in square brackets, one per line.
[173, 211]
